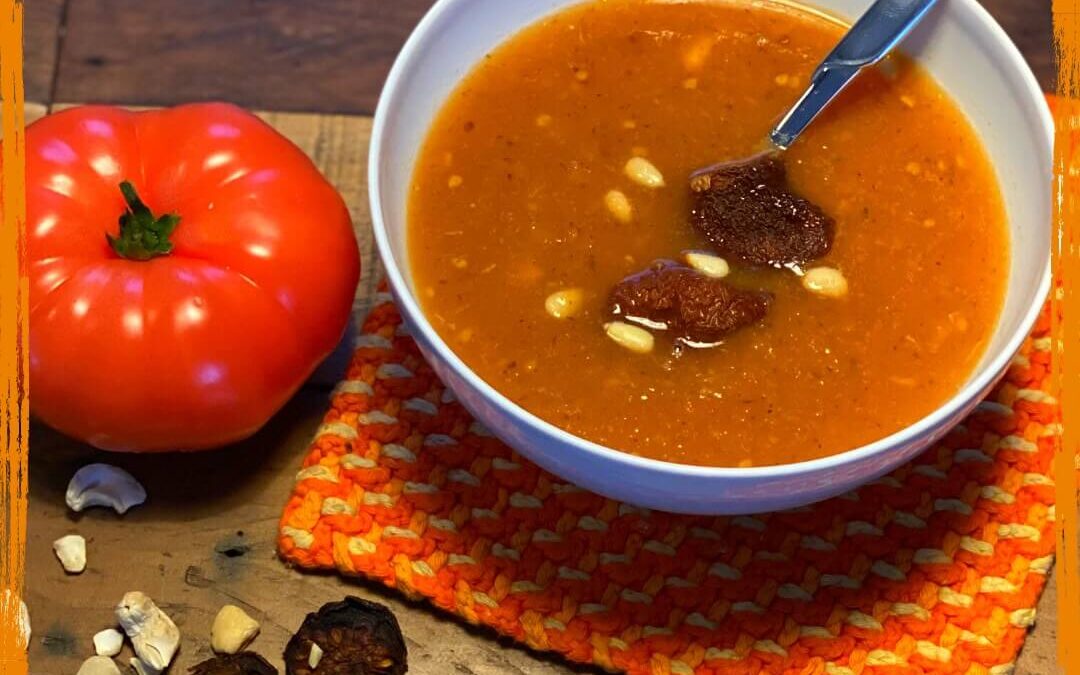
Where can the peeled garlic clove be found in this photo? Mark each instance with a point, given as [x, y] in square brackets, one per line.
[233, 629]
[104, 485]
[153, 634]
[71, 550]
[108, 642]
[98, 665]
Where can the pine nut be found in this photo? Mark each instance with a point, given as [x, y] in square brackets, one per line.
[564, 304]
[631, 337]
[825, 281]
[643, 172]
[710, 265]
[619, 206]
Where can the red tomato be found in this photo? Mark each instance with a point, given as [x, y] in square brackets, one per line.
[194, 325]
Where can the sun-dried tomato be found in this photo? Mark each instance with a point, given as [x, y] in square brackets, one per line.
[748, 212]
[691, 307]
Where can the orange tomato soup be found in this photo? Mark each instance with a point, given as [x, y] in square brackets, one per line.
[508, 206]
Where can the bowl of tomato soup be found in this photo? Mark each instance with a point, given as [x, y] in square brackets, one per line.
[554, 191]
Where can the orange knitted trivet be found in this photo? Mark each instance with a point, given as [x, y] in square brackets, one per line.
[935, 568]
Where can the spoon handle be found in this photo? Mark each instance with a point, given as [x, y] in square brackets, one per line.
[873, 36]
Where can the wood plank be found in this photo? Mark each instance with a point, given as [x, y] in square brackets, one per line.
[41, 33]
[1029, 24]
[315, 55]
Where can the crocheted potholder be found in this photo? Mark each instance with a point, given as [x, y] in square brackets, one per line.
[933, 569]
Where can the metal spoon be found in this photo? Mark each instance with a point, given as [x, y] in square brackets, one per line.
[873, 36]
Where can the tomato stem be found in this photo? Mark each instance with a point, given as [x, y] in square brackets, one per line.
[142, 235]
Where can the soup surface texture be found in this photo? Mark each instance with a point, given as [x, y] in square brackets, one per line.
[510, 203]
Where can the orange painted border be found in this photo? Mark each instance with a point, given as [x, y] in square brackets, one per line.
[14, 295]
[1065, 306]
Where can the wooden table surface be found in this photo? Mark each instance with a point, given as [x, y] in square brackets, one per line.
[205, 538]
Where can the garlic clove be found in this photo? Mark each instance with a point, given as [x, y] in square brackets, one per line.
[98, 665]
[108, 642]
[71, 550]
[233, 629]
[153, 634]
[104, 485]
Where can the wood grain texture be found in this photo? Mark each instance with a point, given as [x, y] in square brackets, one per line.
[1029, 24]
[314, 55]
[41, 39]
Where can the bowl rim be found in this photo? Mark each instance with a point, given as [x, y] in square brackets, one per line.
[997, 40]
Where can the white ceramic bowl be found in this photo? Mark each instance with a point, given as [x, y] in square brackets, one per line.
[959, 43]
